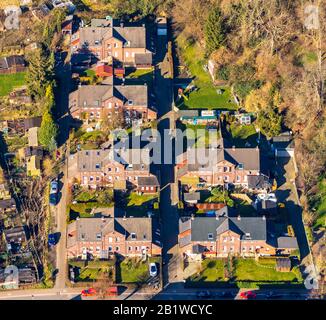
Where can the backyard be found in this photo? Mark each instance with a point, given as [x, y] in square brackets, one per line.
[139, 76]
[206, 96]
[140, 204]
[201, 136]
[9, 81]
[85, 201]
[243, 135]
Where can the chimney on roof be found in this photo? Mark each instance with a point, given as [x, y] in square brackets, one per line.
[264, 217]
[124, 217]
[233, 148]
[239, 218]
[192, 217]
[217, 217]
[77, 218]
[121, 24]
[257, 148]
[103, 218]
[144, 25]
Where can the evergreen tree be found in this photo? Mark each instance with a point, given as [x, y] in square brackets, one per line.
[40, 73]
[269, 122]
[214, 30]
[48, 132]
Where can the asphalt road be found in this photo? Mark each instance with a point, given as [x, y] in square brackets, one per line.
[170, 294]
[63, 74]
[168, 213]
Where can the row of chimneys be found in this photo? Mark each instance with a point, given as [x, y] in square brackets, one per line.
[217, 217]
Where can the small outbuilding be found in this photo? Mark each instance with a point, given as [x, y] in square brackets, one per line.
[283, 264]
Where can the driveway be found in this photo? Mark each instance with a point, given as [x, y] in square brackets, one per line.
[286, 193]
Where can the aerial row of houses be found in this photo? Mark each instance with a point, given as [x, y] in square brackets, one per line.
[224, 233]
[107, 44]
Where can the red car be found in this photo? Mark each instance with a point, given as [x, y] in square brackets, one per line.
[88, 292]
[246, 295]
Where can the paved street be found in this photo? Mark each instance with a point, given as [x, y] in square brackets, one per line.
[169, 215]
[64, 75]
[174, 292]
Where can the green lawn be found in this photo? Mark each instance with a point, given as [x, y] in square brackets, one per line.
[212, 271]
[321, 205]
[9, 81]
[249, 270]
[139, 76]
[242, 134]
[92, 269]
[206, 96]
[135, 199]
[247, 274]
[202, 136]
[137, 204]
[133, 270]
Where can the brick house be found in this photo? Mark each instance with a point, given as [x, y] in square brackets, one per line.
[110, 167]
[223, 166]
[97, 102]
[12, 64]
[107, 38]
[89, 238]
[222, 235]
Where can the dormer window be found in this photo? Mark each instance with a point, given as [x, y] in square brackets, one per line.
[240, 166]
[210, 236]
[97, 42]
[130, 102]
[98, 236]
[82, 236]
[133, 236]
[98, 166]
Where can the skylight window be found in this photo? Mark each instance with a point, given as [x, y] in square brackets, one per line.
[133, 236]
[210, 236]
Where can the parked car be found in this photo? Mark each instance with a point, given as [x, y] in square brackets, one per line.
[204, 294]
[52, 240]
[247, 295]
[54, 187]
[88, 292]
[53, 199]
[153, 269]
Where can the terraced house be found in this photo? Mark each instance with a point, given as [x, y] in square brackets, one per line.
[119, 169]
[223, 165]
[108, 39]
[222, 235]
[89, 238]
[95, 103]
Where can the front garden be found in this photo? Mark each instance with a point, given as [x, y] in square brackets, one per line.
[243, 273]
[134, 270]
